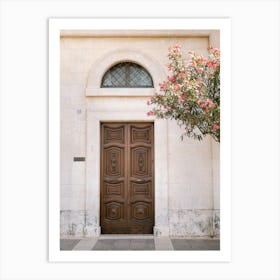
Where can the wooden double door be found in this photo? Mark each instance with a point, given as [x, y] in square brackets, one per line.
[127, 178]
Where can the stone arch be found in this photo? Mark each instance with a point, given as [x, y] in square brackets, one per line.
[104, 63]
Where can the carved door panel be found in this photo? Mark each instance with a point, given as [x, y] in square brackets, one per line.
[127, 178]
[140, 178]
[113, 177]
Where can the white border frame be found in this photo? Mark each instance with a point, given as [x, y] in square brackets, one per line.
[55, 26]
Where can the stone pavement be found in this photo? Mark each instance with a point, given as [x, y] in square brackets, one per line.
[138, 242]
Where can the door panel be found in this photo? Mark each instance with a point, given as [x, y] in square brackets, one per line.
[127, 178]
[141, 160]
[113, 190]
[114, 162]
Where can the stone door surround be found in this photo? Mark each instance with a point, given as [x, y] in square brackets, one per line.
[123, 105]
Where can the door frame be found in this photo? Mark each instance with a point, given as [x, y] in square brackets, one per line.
[92, 207]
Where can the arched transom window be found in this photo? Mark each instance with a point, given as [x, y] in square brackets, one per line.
[127, 75]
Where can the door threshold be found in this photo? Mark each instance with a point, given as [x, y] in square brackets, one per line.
[126, 236]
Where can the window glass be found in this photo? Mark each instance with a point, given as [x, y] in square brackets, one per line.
[127, 75]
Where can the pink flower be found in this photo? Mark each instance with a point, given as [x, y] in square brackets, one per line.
[217, 52]
[163, 86]
[191, 63]
[209, 48]
[171, 79]
[186, 83]
[201, 59]
[191, 52]
[215, 127]
[211, 64]
[150, 113]
[181, 75]
[180, 99]
[178, 87]
[177, 47]
[199, 70]
[148, 103]
[169, 67]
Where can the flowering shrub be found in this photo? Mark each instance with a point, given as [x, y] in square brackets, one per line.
[191, 93]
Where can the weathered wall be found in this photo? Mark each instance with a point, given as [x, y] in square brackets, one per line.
[193, 168]
[191, 188]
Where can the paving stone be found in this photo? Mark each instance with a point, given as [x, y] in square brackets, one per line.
[213, 244]
[126, 236]
[104, 245]
[85, 244]
[181, 244]
[163, 243]
[196, 244]
[68, 244]
[142, 244]
[205, 244]
[121, 244]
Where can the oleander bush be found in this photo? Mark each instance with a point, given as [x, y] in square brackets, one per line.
[191, 93]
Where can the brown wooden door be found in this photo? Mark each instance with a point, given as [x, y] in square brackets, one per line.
[127, 178]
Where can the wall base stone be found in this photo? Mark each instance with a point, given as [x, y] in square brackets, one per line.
[194, 223]
[72, 223]
[161, 230]
[182, 223]
[78, 224]
[216, 223]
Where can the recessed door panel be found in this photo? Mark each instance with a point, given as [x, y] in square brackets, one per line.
[114, 161]
[141, 161]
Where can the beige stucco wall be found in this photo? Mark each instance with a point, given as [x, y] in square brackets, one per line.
[193, 167]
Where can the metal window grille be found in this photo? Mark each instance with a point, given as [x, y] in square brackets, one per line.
[127, 75]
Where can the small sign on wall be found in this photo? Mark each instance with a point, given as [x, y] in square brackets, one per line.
[79, 159]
